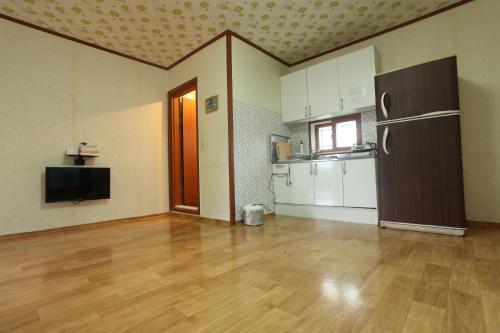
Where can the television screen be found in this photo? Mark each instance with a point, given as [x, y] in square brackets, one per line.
[76, 184]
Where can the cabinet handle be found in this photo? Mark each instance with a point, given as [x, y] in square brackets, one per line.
[382, 105]
[316, 169]
[310, 112]
[305, 111]
[344, 168]
[384, 140]
[311, 169]
[341, 104]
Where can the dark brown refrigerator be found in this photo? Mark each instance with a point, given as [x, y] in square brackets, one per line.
[420, 162]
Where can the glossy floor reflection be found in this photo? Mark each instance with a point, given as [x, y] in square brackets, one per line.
[186, 274]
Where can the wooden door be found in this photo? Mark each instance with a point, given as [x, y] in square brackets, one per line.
[183, 149]
[294, 96]
[190, 152]
[328, 189]
[323, 89]
[177, 154]
[417, 90]
[420, 180]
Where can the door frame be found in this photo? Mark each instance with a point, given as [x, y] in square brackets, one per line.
[178, 92]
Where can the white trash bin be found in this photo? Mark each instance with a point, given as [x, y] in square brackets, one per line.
[253, 214]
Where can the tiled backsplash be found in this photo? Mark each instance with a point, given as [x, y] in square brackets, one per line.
[253, 127]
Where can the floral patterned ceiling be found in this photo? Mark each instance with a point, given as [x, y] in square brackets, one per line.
[161, 32]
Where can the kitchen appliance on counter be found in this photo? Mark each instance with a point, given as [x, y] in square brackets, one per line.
[420, 163]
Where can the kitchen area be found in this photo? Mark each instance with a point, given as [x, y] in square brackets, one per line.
[354, 145]
[326, 168]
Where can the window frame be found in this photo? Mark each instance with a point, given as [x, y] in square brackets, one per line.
[333, 122]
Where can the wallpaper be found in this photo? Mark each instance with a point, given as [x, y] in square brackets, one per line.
[163, 31]
[253, 126]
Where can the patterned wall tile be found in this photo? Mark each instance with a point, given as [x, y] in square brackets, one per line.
[253, 126]
[163, 31]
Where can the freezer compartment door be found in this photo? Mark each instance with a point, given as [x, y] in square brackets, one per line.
[420, 172]
[417, 90]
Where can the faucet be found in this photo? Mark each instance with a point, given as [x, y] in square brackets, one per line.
[314, 155]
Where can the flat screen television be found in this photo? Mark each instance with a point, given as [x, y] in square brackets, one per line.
[76, 184]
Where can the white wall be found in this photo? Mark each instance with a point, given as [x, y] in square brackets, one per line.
[55, 93]
[209, 66]
[470, 32]
[256, 76]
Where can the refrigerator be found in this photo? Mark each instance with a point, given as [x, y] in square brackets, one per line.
[420, 179]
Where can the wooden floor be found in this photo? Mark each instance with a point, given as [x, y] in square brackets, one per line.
[185, 274]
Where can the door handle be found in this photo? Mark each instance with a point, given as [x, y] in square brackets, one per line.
[382, 105]
[384, 140]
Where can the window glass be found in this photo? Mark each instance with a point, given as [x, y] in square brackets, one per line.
[346, 133]
[325, 138]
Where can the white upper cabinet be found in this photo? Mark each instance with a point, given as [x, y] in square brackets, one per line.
[338, 86]
[360, 189]
[356, 72]
[323, 89]
[294, 96]
[328, 188]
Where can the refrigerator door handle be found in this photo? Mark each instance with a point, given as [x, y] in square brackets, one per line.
[384, 140]
[382, 105]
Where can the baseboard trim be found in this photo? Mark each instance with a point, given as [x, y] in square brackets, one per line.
[483, 223]
[93, 225]
[335, 214]
[424, 228]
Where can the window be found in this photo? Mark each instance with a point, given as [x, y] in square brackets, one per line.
[336, 134]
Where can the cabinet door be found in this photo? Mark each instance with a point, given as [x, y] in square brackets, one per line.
[328, 183]
[281, 189]
[419, 89]
[356, 80]
[360, 185]
[323, 88]
[302, 187]
[294, 96]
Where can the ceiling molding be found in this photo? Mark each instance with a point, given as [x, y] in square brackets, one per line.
[236, 35]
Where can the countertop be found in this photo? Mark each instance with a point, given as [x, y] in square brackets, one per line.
[338, 157]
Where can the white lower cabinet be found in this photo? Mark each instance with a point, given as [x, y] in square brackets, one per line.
[359, 179]
[328, 183]
[302, 184]
[281, 189]
[348, 183]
